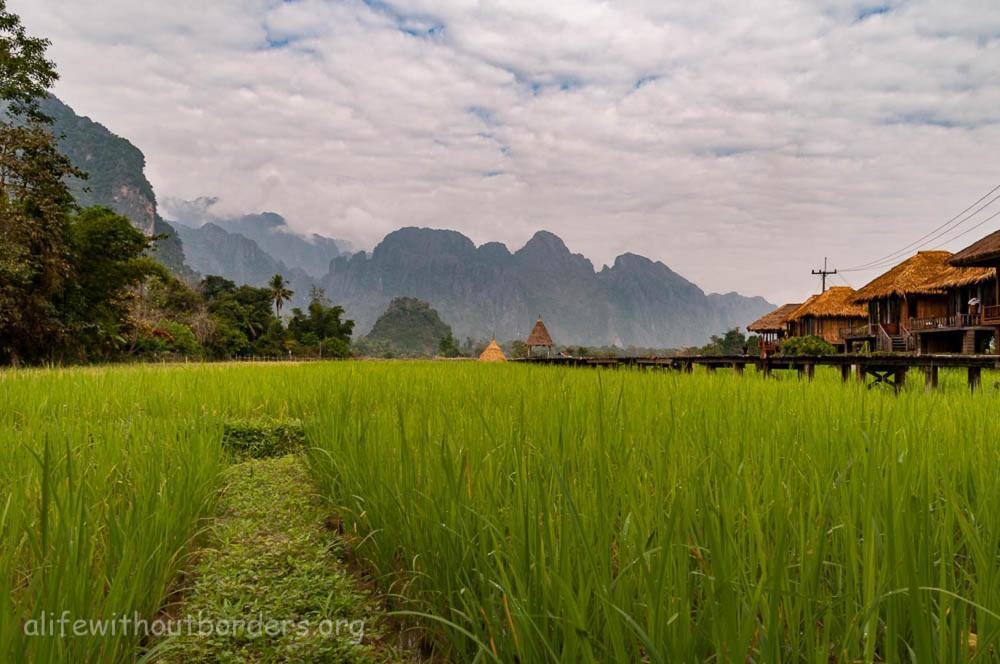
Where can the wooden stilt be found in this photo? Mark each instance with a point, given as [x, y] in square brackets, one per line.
[975, 378]
[845, 372]
[930, 378]
[810, 371]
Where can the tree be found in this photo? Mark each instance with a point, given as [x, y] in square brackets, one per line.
[108, 265]
[321, 330]
[25, 73]
[448, 346]
[732, 342]
[35, 202]
[280, 292]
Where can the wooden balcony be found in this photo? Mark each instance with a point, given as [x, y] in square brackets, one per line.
[991, 315]
[944, 323]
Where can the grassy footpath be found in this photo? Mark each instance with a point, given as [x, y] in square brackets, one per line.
[270, 558]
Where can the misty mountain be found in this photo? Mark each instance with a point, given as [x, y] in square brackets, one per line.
[269, 230]
[486, 290]
[211, 249]
[479, 291]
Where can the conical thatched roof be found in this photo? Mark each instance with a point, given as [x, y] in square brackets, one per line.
[493, 353]
[981, 253]
[539, 335]
[774, 321]
[925, 273]
[836, 302]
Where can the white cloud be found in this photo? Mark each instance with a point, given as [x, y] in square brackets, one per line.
[737, 142]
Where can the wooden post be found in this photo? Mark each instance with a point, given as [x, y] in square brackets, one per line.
[845, 372]
[899, 377]
[688, 367]
[975, 378]
[800, 369]
[859, 371]
[810, 371]
[930, 378]
[738, 367]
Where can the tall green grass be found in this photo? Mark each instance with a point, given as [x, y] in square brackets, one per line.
[105, 476]
[540, 514]
[531, 513]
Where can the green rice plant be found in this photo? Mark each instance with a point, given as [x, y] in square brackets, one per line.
[533, 513]
[103, 481]
[540, 514]
[262, 438]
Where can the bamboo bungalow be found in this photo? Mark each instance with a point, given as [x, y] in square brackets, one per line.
[772, 328]
[826, 315]
[984, 254]
[922, 305]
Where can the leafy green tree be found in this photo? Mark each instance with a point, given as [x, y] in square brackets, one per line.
[811, 345]
[214, 286]
[108, 261]
[35, 202]
[322, 328]
[732, 342]
[448, 346]
[280, 292]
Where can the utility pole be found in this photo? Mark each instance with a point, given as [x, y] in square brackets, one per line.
[824, 272]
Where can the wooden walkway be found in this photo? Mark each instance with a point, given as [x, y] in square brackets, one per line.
[888, 370]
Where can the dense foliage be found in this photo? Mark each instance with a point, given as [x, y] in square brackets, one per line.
[409, 327]
[811, 345]
[83, 285]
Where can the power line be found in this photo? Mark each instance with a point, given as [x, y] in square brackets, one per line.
[932, 235]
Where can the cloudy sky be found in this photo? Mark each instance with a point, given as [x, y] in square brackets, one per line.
[739, 142]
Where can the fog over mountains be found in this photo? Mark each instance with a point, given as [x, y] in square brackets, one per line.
[479, 290]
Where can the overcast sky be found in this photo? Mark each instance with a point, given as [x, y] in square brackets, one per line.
[738, 142]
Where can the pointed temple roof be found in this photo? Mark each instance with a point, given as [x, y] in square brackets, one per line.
[539, 335]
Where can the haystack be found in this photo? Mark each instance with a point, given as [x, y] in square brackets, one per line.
[493, 353]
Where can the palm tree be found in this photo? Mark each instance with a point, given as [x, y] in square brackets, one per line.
[280, 292]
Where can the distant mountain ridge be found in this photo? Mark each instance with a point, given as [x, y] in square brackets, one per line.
[480, 291]
[487, 290]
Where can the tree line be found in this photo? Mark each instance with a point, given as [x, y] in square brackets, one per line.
[79, 285]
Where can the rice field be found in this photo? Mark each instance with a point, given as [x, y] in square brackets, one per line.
[534, 514]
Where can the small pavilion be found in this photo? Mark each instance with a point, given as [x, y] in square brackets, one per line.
[539, 337]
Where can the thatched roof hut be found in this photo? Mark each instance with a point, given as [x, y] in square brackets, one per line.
[982, 253]
[493, 353]
[836, 302]
[925, 273]
[539, 335]
[774, 321]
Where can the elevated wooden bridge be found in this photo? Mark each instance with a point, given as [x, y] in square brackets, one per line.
[888, 370]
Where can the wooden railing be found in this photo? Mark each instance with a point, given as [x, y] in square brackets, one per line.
[856, 331]
[991, 315]
[954, 322]
[884, 341]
